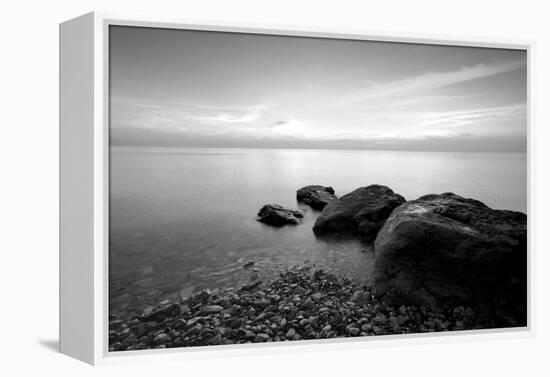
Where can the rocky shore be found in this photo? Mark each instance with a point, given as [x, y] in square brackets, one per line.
[302, 303]
[442, 263]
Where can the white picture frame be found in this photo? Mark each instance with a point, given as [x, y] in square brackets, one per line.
[84, 109]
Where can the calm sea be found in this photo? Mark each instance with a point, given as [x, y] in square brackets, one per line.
[184, 219]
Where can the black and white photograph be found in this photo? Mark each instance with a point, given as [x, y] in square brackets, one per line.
[271, 188]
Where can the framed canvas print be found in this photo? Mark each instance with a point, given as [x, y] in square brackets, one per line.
[234, 188]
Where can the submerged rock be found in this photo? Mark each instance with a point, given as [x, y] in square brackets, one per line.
[316, 196]
[274, 214]
[444, 248]
[361, 212]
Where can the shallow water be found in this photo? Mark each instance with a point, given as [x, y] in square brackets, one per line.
[183, 219]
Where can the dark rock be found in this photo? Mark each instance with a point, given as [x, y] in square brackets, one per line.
[366, 327]
[200, 297]
[260, 338]
[215, 340]
[299, 290]
[380, 319]
[402, 319]
[274, 214]
[361, 212]
[314, 321]
[308, 305]
[445, 249]
[315, 196]
[361, 297]
[379, 308]
[236, 323]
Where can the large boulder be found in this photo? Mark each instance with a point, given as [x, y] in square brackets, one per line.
[361, 212]
[274, 214]
[315, 196]
[444, 249]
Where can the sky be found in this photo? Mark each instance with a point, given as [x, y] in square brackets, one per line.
[209, 89]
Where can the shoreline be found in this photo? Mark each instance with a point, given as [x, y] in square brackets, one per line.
[302, 303]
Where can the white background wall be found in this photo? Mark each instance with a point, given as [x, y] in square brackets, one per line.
[29, 189]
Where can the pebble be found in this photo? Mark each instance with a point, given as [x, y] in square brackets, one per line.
[380, 319]
[290, 333]
[212, 309]
[161, 338]
[260, 338]
[366, 327]
[316, 296]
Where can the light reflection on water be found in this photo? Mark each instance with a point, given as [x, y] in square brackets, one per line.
[184, 219]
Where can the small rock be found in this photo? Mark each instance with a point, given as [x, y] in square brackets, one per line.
[290, 334]
[299, 290]
[361, 297]
[366, 327]
[380, 319]
[260, 338]
[162, 338]
[402, 319]
[314, 321]
[316, 296]
[212, 309]
[276, 215]
[308, 305]
[215, 340]
[236, 323]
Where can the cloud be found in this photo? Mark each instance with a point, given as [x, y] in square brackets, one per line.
[295, 129]
[227, 114]
[472, 116]
[184, 118]
[434, 80]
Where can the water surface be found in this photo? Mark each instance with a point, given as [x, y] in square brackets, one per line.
[183, 219]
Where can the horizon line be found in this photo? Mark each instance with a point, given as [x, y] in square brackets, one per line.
[111, 145]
